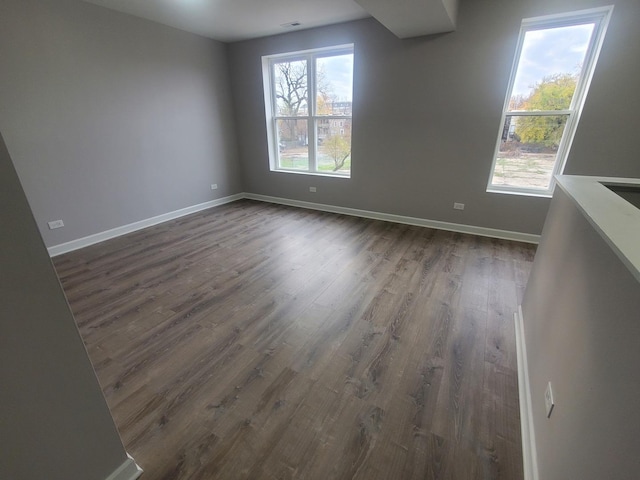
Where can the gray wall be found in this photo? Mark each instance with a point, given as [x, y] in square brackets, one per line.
[426, 114]
[111, 119]
[54, 421]
[582, 333]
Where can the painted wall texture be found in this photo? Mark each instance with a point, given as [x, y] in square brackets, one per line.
[111, 119]
[54, 420]
[581, 327]
[426, 114]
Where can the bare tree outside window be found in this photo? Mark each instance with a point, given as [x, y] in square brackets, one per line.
[291, 87]
[313, 134]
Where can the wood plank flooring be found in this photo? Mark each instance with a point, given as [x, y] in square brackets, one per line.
[255, 341]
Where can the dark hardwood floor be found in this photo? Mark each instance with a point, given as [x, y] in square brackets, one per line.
[266, 342]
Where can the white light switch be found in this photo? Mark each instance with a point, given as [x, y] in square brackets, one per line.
[548, 399]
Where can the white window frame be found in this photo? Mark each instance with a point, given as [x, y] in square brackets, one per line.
[312, 119]
[600, 17]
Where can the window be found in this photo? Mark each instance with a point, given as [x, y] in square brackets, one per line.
[308, 102]
[554, 63]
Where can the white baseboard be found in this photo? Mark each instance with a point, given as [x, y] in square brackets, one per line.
[129, 470]
[132, 227]
[389, 217]
[529, 455]
[421, 222]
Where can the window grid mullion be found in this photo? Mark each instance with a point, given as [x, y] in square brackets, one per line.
[598, 18]
[537, 113]
[311, 127]
[280, 155]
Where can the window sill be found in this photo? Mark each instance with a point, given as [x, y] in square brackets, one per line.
[524, 193]
[313, 174]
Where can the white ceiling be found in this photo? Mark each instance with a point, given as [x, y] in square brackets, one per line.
[412, 18]
[233, 20]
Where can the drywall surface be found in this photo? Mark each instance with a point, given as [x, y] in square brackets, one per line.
[111, 119]
[581, 328]
[427, 111]
[54, 421]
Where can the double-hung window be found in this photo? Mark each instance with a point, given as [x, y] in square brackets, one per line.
[308, 103]
[554, 62]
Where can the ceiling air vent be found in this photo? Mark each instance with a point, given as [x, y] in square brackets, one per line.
[290, 24]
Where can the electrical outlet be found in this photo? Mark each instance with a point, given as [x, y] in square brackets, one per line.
[548, 399]
[55, 224]
[214, 186]
[312, 189]
[458, 206]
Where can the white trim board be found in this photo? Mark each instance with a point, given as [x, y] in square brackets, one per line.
[129, 470]
[389, 217]
[529, 455]
[132, 227]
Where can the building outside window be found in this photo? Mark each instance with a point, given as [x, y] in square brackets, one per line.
[308, 103]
